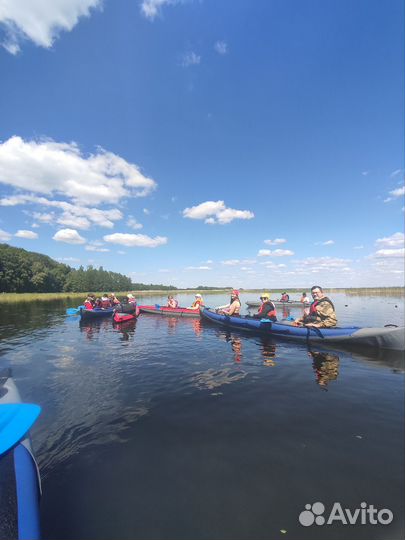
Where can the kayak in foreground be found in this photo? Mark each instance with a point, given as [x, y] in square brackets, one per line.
[86, 314]
[20, 485]
[123, 317]
[290, 303]
[390, 337]
[171, 312]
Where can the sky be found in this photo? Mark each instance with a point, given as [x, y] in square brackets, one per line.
[205, 142]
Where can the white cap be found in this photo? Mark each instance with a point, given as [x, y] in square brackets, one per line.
[130, 295]
[199, 295]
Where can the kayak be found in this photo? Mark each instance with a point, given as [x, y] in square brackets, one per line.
[171, 312]
[95, 313]
[390, 337]
[123, 317]
[20, 484]
[290, 303]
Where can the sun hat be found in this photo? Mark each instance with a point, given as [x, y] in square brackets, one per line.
[198, 295]
[130, 295]
[235, 292]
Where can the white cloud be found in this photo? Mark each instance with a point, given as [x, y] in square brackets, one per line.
[275, 253]
[190, 59]
[135, 240]
[323, 263]
[68, 259]
[91, 247]
[49, 167]
[328, 243]
[133, 223]
[4, 236]
[400, 252]
[198, 268]
[29, 235]
[397, 239]
[71, 212]
[275, 242]
[395, 193]
[40, 21]
[221, 47]
[395, 173]
[151, 8]
[215, 212]
[146, 211]
[120, 252]
[365, 173]
[358, 247]
[164, 270]
[69, 236]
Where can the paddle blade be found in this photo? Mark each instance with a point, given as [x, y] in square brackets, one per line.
[157, 306]
[72, 311]
[15, 420]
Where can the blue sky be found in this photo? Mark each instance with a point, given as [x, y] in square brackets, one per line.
[246, 144]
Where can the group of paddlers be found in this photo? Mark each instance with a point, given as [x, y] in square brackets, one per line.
[320, 313]
[108, 301]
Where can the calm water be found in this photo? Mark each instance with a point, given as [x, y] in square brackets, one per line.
[174, 429]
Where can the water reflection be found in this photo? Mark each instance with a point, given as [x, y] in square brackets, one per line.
[325, 366]
[126, 328]
[92, 328]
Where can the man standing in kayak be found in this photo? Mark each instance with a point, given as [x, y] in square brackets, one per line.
[321, 313]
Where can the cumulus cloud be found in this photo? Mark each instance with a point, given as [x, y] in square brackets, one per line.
[74, 215]
[215, 212]
[221, 47]
[69, 236]
[29, 235]
[40, 21]
[275, 242]
[395, 240]
[135, 240]
[323, 263]
[395, 193]
[49, 167]
[4, 236]
[152, 8]
[198, 268]
[133, 223]
[275, 253]
[390, 253]
[190, 59]
[326, 243]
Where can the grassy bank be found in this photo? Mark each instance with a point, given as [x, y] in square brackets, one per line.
[44, 297]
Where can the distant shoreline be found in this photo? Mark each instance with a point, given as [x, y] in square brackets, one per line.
[32, 297]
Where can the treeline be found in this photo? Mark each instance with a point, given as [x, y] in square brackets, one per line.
[26, 271]
[23, 271]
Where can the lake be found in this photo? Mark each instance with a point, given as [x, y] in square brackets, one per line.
[170, 428]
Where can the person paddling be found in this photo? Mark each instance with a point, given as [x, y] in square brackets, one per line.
[172, 302]
[197, 302]
[285, 297]
[267, 310]
[321, 313]
[233, 308]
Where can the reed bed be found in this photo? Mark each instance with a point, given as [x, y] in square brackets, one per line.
[46, 297]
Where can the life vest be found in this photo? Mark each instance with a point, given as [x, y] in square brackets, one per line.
[88, 304]
[272, 313]
[173, 304]
[198, 302]
[312, 309]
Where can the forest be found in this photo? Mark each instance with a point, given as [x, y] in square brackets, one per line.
[23, 271]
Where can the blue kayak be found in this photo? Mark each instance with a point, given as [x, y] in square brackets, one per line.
[20, 485]
[390, 337]
[96, 313]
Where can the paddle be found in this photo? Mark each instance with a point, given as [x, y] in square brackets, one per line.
[15, 420]
[73, 311]
[157, 306]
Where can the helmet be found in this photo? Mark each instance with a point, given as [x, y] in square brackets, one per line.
[265, 295]
[235, 292]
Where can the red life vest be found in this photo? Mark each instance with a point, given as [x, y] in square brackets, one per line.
[272, 313]
[88, 305]
[312, 309]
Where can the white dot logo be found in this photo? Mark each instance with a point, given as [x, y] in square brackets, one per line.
[312, 514]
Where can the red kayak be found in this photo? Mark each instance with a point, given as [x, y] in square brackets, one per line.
[122, 317]
[171, 312]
